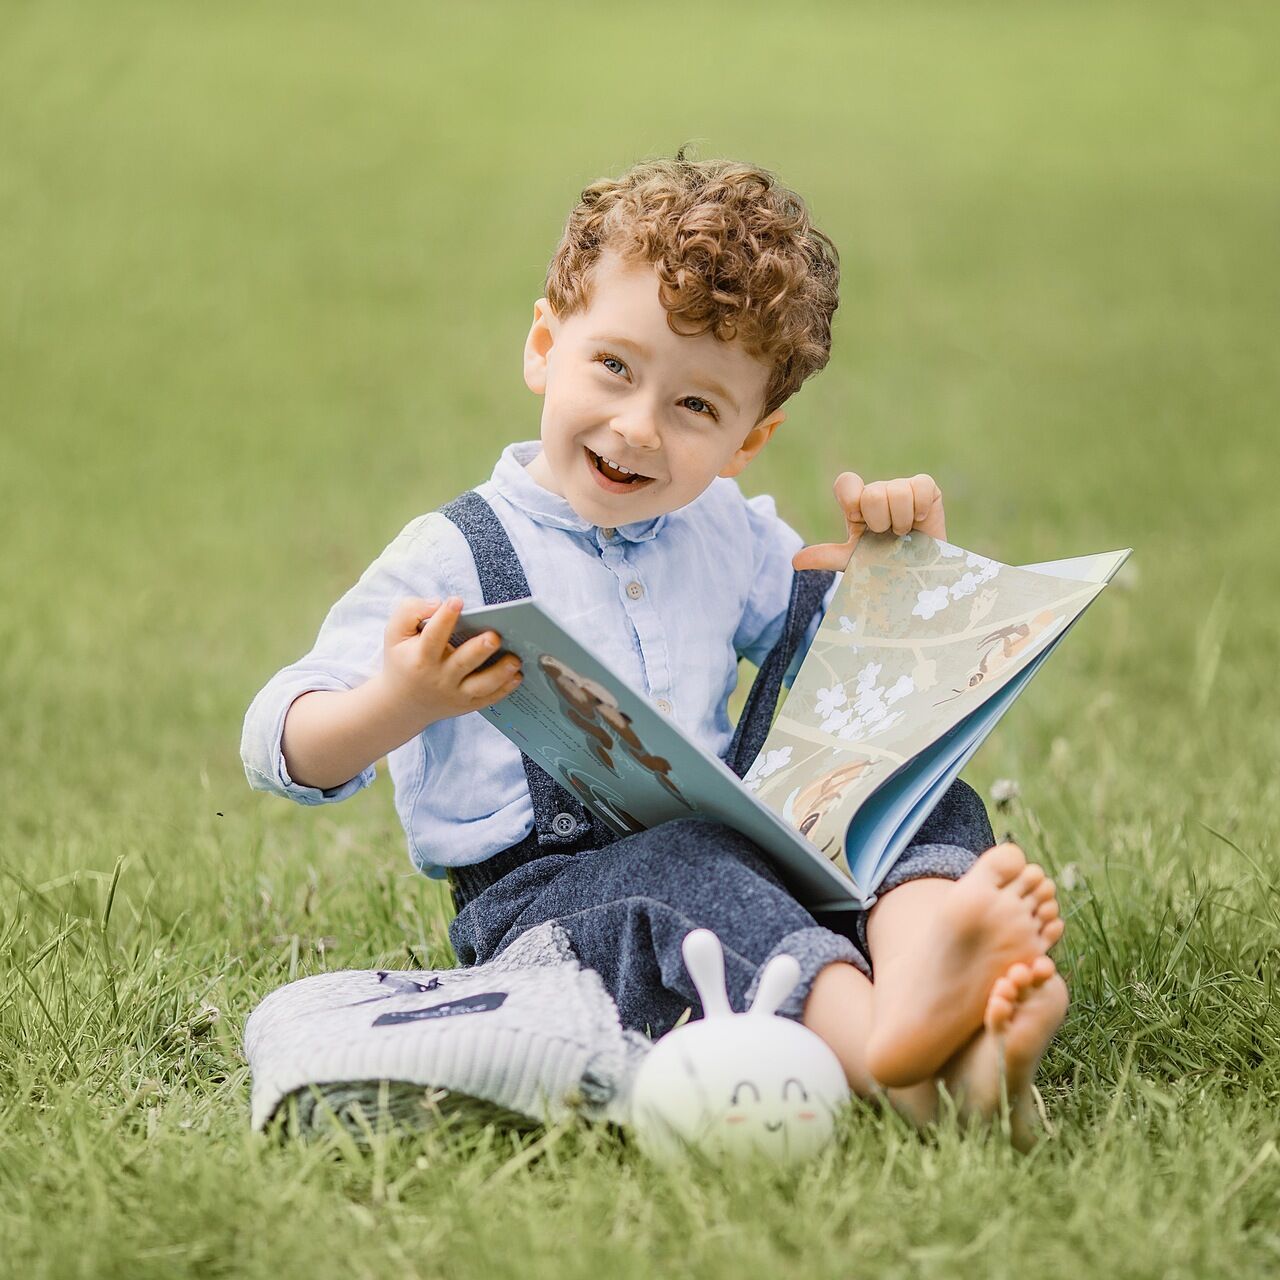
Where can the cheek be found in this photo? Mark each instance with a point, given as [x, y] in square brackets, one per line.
[570, 401]
[691, 459]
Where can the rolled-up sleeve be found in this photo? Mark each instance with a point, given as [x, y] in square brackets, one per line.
[773, 543]
[347, 651]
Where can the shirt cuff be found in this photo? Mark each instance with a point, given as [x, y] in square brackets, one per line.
[263, 757]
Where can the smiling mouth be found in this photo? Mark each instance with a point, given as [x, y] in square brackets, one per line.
[618, 480]
[774, 1127]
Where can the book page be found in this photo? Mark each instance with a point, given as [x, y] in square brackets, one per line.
[919, 634]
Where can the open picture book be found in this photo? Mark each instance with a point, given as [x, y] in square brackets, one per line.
[923, 648]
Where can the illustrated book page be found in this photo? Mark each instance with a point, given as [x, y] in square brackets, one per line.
[924, 646]
[922, 649]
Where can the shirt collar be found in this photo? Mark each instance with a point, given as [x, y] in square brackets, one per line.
[523, 492]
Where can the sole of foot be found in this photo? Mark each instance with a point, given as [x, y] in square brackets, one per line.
[933, 982]
[1025, 1008]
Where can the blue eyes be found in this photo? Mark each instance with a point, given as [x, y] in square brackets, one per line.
[707, 408]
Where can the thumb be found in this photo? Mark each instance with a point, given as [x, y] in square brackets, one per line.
[826, 555]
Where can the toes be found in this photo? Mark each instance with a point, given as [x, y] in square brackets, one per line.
[1047, 911]
[999, 1011]
[1003, 862]
[1004, 989]
[1052, 932]
[1030, 878]
[1019, 985]
[1045, 890]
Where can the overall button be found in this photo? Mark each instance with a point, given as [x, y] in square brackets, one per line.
[564, 824]
[664, 706]
[635, 590]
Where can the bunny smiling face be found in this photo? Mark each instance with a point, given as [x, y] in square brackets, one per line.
[783, 1115]
[692, 1089]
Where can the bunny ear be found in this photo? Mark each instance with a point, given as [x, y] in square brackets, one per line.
[704, 958]
[776, 982]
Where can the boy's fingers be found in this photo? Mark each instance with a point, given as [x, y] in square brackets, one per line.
[929, 515]
[485, 686]
[469, 655]
[902, 506]
[824, 555]
[849, 489]
[835, 555]
[407, 616]
[439, 627]
[875, 507]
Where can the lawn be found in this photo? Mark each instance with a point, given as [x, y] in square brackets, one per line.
[265, 273]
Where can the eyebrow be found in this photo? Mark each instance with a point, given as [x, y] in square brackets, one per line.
[711, 384]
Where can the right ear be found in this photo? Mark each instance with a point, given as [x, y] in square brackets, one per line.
[537, 346]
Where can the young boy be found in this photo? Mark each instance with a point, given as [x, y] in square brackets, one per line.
[686, 302]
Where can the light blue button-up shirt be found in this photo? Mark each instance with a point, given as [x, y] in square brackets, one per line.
[669, 603]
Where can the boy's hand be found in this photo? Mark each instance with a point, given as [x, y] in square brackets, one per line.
[424, 671]
[900, 505]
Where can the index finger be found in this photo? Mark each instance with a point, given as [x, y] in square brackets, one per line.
[437, 629]
[848, 490]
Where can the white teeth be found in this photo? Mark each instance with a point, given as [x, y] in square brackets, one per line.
[617, 466]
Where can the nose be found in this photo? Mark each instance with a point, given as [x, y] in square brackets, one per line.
[638, 429]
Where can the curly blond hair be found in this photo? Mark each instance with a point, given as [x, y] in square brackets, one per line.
[735, 252]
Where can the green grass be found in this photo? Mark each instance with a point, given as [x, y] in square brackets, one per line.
[264, 279]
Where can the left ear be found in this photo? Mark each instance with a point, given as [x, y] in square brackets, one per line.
[756, 440]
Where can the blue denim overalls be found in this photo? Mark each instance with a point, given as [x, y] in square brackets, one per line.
[626, 902]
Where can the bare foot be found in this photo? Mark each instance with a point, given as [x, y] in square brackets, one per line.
[1025, 1008]
[938, 947]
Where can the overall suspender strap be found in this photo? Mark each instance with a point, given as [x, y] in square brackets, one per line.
[561, 821]
[807, 589]
[499, 568]
[562, 824]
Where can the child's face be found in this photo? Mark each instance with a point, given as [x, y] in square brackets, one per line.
[619, 384]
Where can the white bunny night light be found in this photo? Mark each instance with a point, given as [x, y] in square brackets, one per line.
[737, 1083]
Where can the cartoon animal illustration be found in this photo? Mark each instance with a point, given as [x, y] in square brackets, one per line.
[591, 708]
[737, 1083]
[620, 723]
[1002, 647]
[806, 806]
[579, 697]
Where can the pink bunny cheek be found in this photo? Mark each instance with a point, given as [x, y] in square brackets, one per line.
[806, 1115]
[734, 1119]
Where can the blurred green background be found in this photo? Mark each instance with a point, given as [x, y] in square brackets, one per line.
[265, 276]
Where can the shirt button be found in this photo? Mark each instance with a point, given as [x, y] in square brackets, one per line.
[608, 533]
[664, 706]
[564, 824]
[635, 590]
